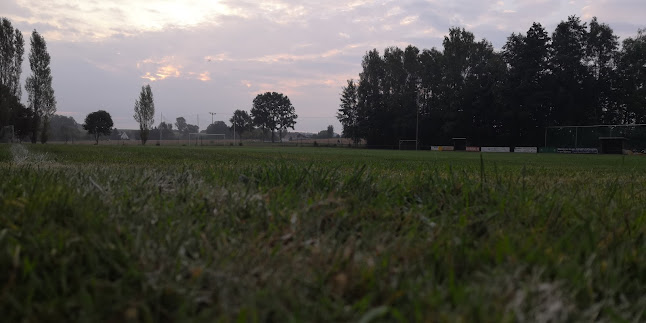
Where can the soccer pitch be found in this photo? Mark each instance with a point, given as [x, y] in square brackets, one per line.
[96, 233]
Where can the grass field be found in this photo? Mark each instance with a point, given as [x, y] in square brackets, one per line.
[125, 233]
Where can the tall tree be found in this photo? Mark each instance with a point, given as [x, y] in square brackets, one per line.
[273, 111]
[12, 49]
[98, 123]
[571, 90]
[411, 104]
[261, 114]
[42, 101]
[601, 53]
[370, 97]
[145, 112]
[330, 131]
[241, 122]
[468, 94]
[182, 126]
[456, 69]
[284, 114]
[632, 79]
[431, 97]
[348, 113]
[394, 117]
[526, 107]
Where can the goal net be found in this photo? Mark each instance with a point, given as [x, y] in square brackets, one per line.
[408, 144]
[580, 137]
[203, 139]
[6, 134]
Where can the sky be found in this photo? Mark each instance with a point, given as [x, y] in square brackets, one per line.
[202, 56]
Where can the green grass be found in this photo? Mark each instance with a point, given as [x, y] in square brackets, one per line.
[109, 233]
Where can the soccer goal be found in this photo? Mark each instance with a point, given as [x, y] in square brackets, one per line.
[204, 139]
[7, 134]
[408, 144]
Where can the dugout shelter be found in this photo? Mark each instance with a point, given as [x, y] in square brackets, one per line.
[612, 145]
[459, 144]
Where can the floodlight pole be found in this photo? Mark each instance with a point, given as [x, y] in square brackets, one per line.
[212, 114]
[417, 130]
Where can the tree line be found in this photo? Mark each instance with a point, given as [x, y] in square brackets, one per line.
[30, 121]
[271, 112]
[578, 75]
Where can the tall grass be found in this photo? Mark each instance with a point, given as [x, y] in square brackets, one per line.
[257, 234]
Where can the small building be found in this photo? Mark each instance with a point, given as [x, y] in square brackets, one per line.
[460, 144]
[612, 145]
[124, 136]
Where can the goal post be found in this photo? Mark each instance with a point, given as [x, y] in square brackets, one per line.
[204, 139]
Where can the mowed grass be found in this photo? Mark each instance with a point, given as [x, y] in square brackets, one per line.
[121, 233]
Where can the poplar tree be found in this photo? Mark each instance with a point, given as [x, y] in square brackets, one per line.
[12, 49]
[42, 101]
[144, 112]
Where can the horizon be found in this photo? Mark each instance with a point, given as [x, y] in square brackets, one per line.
[205, 56]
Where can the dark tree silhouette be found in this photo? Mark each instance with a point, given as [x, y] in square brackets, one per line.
[98, 123]
[145, 112]
[39, 86]
[273, 111]
[578, 76]
[241, 122]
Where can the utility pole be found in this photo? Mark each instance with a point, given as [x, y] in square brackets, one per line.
[234, 128]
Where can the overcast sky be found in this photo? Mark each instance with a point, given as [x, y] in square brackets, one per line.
[202, 56]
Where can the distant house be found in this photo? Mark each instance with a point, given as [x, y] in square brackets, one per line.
[296, 136]
[124, 136]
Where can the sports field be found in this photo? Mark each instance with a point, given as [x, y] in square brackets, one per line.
[131, 233]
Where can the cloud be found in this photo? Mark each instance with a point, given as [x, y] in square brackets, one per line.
[616, 11]
[205, 76]
[101, 19]
[12, 9]
[408, 20]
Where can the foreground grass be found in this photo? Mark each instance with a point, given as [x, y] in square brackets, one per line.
[304, 234]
